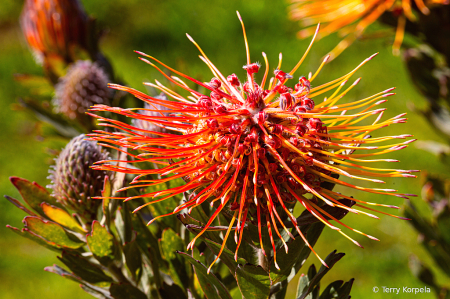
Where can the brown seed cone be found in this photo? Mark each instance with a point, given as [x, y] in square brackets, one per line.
[74, 183]
[85, 85]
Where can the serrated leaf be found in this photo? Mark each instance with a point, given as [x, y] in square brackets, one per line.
[170, 243]
[101, 243]
[297, 255]
[51, 232]
[126, 291]
[253, 282]
[33, 194]
[84, 269]
[60, 216]
[202, 274]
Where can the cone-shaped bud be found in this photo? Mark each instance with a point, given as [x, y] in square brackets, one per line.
[85, 85]
[74, 182]
[146, 127]
[55, 28]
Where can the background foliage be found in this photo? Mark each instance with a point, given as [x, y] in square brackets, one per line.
[157, 28]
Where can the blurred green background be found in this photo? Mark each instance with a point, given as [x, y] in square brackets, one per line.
[158, 28]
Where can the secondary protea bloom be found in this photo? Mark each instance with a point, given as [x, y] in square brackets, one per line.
[351, 17]
[250, 148]
[54, 28]
[84, 85]
[74, 183]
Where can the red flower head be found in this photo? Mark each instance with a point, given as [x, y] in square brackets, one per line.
[251, 148]
[351, 17]
[54, 27]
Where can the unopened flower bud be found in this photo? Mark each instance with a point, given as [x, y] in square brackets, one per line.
[84, 85]
[74, 182]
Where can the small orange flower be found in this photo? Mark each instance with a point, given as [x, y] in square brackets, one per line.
[251, 148]
[351, 17]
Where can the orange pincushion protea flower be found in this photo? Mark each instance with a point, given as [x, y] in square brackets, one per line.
[351, 17]
[250, 149]
[54, 27]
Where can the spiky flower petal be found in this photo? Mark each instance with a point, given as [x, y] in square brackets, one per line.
[74, 182]
[351, 17]
[84, 85]
[250, 149]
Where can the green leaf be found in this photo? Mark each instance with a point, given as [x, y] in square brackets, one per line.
[297, 255]
[344, 291]
[91, 289]
[227, 256]
[84, 269]
[170, 243]
[20, 205]
[253, 282]
[205, 286]
[51, 232]
[133, 259]
[106, 194]
[101, 243]
[33, 194]
[149, 246]
[172, 291]
[93, 292]
[41, 241]
[314, 277]
[281, 293]
[123, 223]
[331, 291]
[62, 272]
[165, 207]
[126, 291]
[36, 84]
[196, 288]
[64, 127]
[62, 217]
[246, 250]
[303, 284]
[204, 277]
